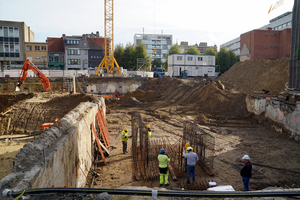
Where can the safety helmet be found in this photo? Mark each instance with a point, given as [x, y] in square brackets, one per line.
[162, 151]
[148, 126]
[189, 149]
[125, 129]
[246, 157]
[187, 145]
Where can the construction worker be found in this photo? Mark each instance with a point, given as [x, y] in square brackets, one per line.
[124, 137]
[185, 152]
[246, 172]
[163, 167]
[149, 131]
[192, 159]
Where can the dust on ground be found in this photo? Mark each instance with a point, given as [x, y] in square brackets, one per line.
[217, 106]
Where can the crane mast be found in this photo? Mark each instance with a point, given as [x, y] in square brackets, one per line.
[109, 61]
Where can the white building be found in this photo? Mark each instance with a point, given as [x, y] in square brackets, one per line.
[195, 65]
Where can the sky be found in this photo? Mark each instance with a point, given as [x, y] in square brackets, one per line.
[194, 21]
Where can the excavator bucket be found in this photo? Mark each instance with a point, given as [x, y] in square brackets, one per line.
[18, 86]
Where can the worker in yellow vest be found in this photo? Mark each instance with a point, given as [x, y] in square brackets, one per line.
[185, 152]
[163, 167]
[149, 131]
[124, 136]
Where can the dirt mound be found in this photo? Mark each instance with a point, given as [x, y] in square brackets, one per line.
[215, 100]
[131, 102]
[255, 76]
[111, 103]
[8, 100]
[160, 85]
[140, 95]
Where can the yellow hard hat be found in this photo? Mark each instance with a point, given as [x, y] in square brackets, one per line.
[187, 145]
[125, 129]
[148, 126]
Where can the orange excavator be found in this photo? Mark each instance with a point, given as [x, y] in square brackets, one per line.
[29, 65]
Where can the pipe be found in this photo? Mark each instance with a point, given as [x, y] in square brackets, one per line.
[197, 194]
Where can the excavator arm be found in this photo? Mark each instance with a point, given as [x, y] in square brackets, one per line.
[29, 65]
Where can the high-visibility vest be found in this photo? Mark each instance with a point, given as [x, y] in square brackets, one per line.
[149, 134]
[185, 151]
[124, 136]
[163, 160]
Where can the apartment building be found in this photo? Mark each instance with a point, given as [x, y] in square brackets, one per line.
[56, 53]
[76, 52]
[202, 47]
[36, 52]
[193, 65]
[157, 45]
[95, 52]
[13, 36]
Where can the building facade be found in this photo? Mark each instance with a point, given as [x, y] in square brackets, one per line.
[157, 45]
[280, 22]
[193, 65]
[13, 36]
[76, 52]
[56, 53]
[265, 44]
[95, 52]
[36, 52]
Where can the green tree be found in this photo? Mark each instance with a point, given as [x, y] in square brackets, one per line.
[141, 52]
[129, 56]
[226, 59]
[156, 63]
[119, 55]
[174, 49]
[192, 50]
[210, 51]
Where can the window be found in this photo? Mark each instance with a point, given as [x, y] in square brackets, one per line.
[61, 59]
[85, 61]
[44, 59]
[190, 58]
[73, 52]
[37, 48]
[266, 46]
[50, 58]
[12, 47]
[44, 48]
[85, 52]
[16, 32]
[279, 27]
[91, 56]
[37, 59]
[273, 34]
[17, 47]
[72, 41]
[10, 32]
[1, 47]
[73, 61]
[284, 25]
[200, 59]
[266, 33]
[5, 32]
[29, 48]
[179, 57]
[1, 31]
[289, 23]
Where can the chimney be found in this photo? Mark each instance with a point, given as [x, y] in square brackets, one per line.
[97, 34]
[64, 35]
[269, 28]
[83, 36]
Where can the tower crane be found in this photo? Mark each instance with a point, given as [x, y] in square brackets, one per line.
[109, 61]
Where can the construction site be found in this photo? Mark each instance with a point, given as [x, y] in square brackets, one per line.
[65, 142]
[217, 116]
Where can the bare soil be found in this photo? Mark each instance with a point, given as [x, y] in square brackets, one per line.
[217, 106]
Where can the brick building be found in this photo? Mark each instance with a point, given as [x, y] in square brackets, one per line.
[265, 44]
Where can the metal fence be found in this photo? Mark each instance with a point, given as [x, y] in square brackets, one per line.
[145, 151]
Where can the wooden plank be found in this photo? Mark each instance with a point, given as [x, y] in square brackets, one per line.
[102, 145]
[100, 123]
[104, 121]
[104, 125]
[6, 112]
[98, 142]
[8, 124]
[170, 168]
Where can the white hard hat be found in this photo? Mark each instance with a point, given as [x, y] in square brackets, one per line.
[189, 148]
[246, 157]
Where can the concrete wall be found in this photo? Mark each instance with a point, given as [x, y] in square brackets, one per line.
[68, 154]
[285, 115]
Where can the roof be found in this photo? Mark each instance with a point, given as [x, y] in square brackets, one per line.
[99, 41]
[82, 44]
[93, 45]
[55, 45]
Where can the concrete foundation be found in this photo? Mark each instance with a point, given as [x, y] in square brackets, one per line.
[284, 114]
[62, 156]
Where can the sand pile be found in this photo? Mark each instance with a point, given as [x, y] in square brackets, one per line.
[160, 85]
[255, 76]
[7, 100]
[111, 103]
[131, 102]
[140, 95]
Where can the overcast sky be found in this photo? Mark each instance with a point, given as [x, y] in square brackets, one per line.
[195, 21]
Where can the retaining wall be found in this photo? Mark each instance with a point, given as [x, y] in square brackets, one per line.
[284, 114]
[62, 156]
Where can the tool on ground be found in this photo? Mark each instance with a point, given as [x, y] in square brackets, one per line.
[47, 125]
